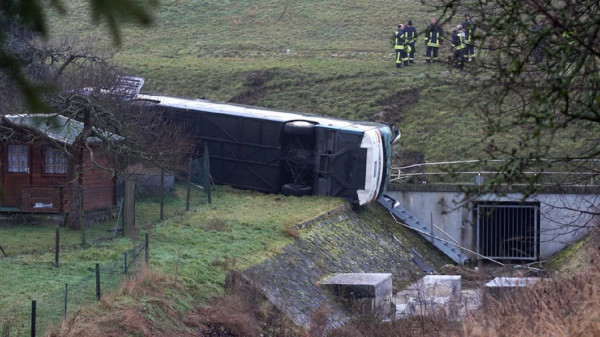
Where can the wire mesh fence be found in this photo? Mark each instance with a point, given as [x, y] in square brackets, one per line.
[24, 234]
[91, 281]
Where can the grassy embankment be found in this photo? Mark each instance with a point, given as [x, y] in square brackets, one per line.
[340, 63]
[321, 57]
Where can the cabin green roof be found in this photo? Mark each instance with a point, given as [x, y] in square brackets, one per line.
[56, 127]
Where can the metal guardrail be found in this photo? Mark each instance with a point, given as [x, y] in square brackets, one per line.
[453, 169]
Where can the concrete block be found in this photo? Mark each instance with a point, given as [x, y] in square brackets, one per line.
[440, 287]
[362, 293]
[503, 286]
[438, 294]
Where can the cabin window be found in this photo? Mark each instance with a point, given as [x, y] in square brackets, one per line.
[18, 159]
[55, 162]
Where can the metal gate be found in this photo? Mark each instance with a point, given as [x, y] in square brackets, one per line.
[508, 231]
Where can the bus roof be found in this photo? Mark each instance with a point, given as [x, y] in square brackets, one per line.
[254, 112]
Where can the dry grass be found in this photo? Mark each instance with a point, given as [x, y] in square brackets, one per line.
[564, 305]
[142, 306]
[243, 312]
[218, 225]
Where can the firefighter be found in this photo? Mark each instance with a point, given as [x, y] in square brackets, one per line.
[538, 53]
[434, 35]
[469, 29]
[458, 45]
[411, 37]
[400, 47]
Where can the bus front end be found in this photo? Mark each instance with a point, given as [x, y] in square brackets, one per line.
[378, 143]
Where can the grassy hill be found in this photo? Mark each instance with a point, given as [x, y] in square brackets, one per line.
[322, 57]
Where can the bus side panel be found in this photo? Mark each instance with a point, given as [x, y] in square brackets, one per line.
[340, 163]
[244, 152]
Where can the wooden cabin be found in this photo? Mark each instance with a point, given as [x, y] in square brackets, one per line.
[34, 166]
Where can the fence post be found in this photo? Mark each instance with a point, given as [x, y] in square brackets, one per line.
[189, 185]
[97, 281]
[147, 248]
[125, 269]
[66, 296]
[56, 247]
[33, 310]
[129, 210]
[207, 180]
[162, 193]
[123, 216]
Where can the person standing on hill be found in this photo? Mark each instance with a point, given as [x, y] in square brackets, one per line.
[458, 45]
[469, 29]
[434, 35]
[410, 33]
[400, 47]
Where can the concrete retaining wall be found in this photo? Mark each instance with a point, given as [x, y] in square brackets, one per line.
[564, 217]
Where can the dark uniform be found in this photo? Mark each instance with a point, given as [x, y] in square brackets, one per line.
[469, 29]
[538, 54]
[400, 47]
[410, 33]
[459, 48]
[433, 39]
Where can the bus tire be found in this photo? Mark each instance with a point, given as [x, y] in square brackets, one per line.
[296, 190]
[300, 128]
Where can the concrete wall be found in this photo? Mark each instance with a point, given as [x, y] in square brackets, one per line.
[564, 217]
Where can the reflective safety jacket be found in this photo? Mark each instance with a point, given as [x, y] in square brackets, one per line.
[567, 36]
[400, 40]
[469, 27]
[457, 41]
[433, 35]
[410, 32]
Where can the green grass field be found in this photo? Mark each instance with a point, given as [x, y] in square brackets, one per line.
[197, 248]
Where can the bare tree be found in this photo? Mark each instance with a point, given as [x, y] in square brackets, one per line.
[85, 88]
[538, 61]
[28, 17]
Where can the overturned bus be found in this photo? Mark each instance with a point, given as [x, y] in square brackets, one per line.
[286, 152]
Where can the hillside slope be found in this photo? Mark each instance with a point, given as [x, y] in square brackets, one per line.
[322, 57]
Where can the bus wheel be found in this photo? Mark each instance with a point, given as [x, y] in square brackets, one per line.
[296, 190]
[300, 128]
